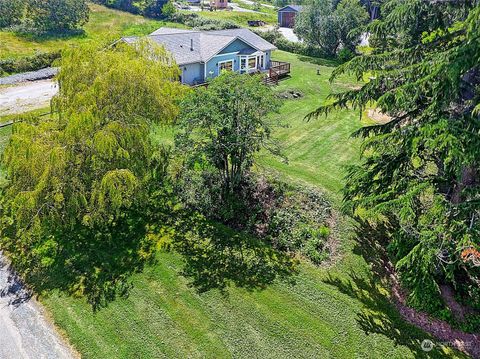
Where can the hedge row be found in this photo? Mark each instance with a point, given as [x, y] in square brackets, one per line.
[201, 23]
[36, 62]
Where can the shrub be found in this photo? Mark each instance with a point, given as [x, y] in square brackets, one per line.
[202, 23]
[276, 38]
[293, 219]
[345, 55]
[11, 12]
[57, 15]
[38, 61]
[168, 9]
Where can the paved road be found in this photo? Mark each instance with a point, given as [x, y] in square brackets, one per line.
[25, 333]
[289, 34]
[26, 96]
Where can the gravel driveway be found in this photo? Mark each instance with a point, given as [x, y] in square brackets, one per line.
[25, 333]
[26, 96]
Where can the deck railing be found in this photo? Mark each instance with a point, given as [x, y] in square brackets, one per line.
[280, 67]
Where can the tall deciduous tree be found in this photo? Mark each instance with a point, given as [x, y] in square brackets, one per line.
[421, 171]
[11, 12]
[226, 124]
[328, 26]
[57, 15]
[79, 184]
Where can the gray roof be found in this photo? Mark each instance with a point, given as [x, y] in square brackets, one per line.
[296, 8]
[206, 44]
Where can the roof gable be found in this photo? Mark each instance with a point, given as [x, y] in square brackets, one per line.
[235, 46]
[190, 46]
[294, 8]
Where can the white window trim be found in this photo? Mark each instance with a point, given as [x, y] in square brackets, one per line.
[224, 62]
[247, 58]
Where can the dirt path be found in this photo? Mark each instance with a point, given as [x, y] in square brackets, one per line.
[26, 96]
[24, 331]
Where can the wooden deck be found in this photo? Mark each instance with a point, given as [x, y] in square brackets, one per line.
[278, 70]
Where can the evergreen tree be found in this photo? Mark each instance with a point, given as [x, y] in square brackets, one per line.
[420, 175]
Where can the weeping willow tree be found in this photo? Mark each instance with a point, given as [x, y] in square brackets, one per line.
[420, 175]
[79, 196]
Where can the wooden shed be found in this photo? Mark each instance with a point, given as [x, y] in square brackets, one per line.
[286, 15]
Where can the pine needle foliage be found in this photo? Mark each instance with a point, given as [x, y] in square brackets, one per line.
[420, 171]
[80, 184]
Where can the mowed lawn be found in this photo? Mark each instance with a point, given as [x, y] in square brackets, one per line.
[104, 25]
[318, 150]
[336, 311]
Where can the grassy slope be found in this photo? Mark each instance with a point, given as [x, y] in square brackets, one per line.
[240, 18]
[335, 312]
[104, 25]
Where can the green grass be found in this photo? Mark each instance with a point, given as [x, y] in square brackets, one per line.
[264, 9]
[317, 150]
[336, 311]
[240, 18]
[104, 25]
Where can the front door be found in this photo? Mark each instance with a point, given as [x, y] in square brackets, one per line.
[288, 19]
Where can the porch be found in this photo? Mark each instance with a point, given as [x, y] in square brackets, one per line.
[277, 71]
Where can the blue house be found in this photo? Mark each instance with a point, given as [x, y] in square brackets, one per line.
[205, 54]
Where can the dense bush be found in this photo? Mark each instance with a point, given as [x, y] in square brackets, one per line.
[276, 38]
[150, 8]
[57, 15]
[293, 219]
[11, 12]
[201, 23]
[38, 61]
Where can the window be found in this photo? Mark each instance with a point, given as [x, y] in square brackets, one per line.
[260, 61]
[252, 62]
[225, 66]
[243, 64]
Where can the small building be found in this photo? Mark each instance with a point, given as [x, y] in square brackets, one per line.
[218, 4]
[287, 14]
[205, 54]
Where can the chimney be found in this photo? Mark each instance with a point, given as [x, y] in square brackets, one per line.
[191, 44]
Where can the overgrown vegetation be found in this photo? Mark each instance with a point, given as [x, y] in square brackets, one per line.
[149, 8]
[220, 132]
[197, 22]
[77, 202]
[39, 16]
[419, 180]
[28, 63]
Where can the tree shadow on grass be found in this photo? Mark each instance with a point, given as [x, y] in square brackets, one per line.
[32, 35]
[217, 257]
[379, 314]
[319, 61]
[92, 264]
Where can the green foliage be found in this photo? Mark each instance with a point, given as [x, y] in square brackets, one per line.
[326, 26]
[420, 171]
[217, 256]
[202, 23]
[79, 184]
[297, 223]
[150, 8]
[57, 15]
[168, 9]
[30, 63]
[11, 12]
[224, 125]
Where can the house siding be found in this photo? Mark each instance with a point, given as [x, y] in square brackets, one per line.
[192, 73]
[213, 68]
[235, 46]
